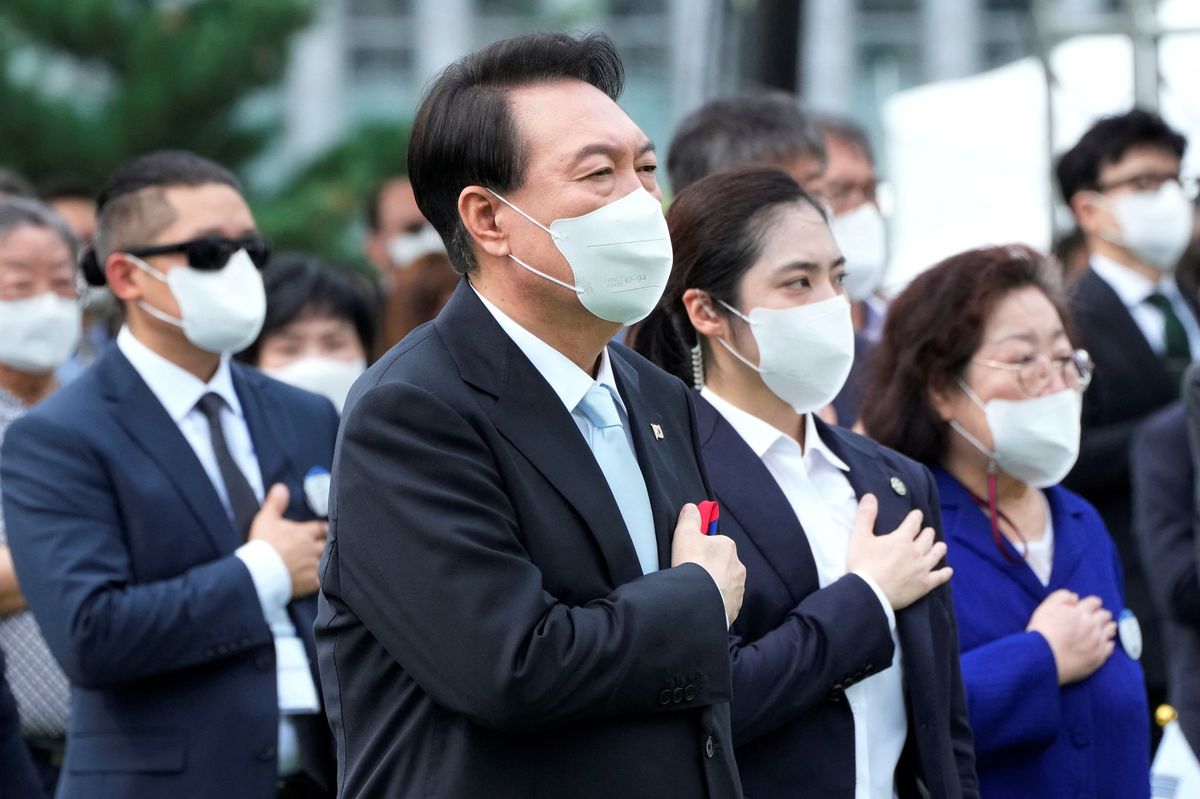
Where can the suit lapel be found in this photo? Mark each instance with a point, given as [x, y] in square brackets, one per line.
[533, 419]
[747, 491]
[147, 422]
[264, 432]
[1069, 546]
[652, 456]
[1123, 339]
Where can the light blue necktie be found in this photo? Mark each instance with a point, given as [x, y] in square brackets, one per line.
[612, 451]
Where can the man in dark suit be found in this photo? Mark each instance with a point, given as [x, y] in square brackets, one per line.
[180, 610]
[512, 603]
[1122, 183]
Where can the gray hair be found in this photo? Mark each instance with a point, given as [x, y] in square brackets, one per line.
[17, 212]
[753, 128]
[836, 126]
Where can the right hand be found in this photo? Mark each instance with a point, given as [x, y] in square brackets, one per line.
[1080, 633]
[716, 554]
[300, 544]
[902, 562]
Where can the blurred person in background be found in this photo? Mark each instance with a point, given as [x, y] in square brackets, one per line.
[845, 660]
[40, 312]
[414, 271]
[1164, 488]
[848, 187]
[977, 376]
[768, 128]
[1123, 185]
[319, 329]
[14, 184]
[1071, 252]
[158, 520]
[76, 203]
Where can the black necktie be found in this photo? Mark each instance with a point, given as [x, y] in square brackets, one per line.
[242, 500]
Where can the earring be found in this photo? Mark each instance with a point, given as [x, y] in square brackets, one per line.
[697, 367]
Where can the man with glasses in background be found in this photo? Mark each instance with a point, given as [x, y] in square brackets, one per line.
[1123, 184]
[156, 510]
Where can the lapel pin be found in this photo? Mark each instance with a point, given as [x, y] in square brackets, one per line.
[658, 433]
[316, 491]
[899, 487]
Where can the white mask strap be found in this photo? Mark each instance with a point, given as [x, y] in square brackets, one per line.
[738, 355]
[522, 213]
[157, 275]
[962, 431]
[540, 273]
[145, 267]
[736, 312]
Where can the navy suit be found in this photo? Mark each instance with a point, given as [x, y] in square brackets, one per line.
[796, 648]
[125, 556]
[1164, 522]
[1033, 737]
[485, 628]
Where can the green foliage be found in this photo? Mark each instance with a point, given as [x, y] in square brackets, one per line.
[155, 75]
[323, 207]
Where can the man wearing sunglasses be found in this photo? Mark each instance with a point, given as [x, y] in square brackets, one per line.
[157, 514]
[1123, 184]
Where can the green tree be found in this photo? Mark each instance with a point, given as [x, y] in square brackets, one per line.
[86, 84]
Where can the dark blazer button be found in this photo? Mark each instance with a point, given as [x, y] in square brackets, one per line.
[710, 748]
[677, 695]
[265, 753]
[665, 697]
[689, 693]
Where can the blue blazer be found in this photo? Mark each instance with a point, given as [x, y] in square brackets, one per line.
[1033, 737]
[796, 647]
[125, 556]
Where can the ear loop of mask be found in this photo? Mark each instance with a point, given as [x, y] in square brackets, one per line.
[992, 504]
[729, 346]
[537, 272]
[150, 309]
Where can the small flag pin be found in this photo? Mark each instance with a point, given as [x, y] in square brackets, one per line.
[658, 433]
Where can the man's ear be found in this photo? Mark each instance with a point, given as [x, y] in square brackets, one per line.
[119, 272]
[1090, 215]
[477, 210]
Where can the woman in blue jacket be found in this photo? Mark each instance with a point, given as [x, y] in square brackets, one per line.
[844, 657]
[977, 377]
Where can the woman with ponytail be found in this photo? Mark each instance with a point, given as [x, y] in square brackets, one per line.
[976, 377]
[845, 655]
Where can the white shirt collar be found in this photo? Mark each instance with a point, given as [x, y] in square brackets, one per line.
[567, 380]
[1131, 287]
[175, 387]
[761, 436]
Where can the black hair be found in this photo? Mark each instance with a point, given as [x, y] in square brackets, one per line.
[843, 128]
[1107, 142]
[64, 187]
[464, 132]
[760, 128]
[131, 208]
[717, 227]
[298, 284]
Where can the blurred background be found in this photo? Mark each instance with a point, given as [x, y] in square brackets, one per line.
[310, 100]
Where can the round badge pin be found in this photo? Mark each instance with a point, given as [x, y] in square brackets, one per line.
[899, 487]
[1130, 633]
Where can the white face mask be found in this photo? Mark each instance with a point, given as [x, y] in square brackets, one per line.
[1034, 440]
[223, 309]
[329, 377]
[38, 334]
[804, 353]
[408, 247]
[861, 235]
[620, 255]
[1156, 226]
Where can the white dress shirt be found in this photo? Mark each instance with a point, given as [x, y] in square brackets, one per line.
[815, 484]
[1134, 289]
[178, 390]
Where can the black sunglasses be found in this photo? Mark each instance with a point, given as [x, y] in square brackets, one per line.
[212, 252]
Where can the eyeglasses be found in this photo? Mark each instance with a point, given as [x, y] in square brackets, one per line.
[1151, 181]
[1035, 372]
[24, 287]
[211, 252]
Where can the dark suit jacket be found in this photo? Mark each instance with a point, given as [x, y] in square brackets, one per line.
[1033, 737]
[796, 647]
[1129, 384]
[484, 627]
[1164, 516]
[125, 555]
